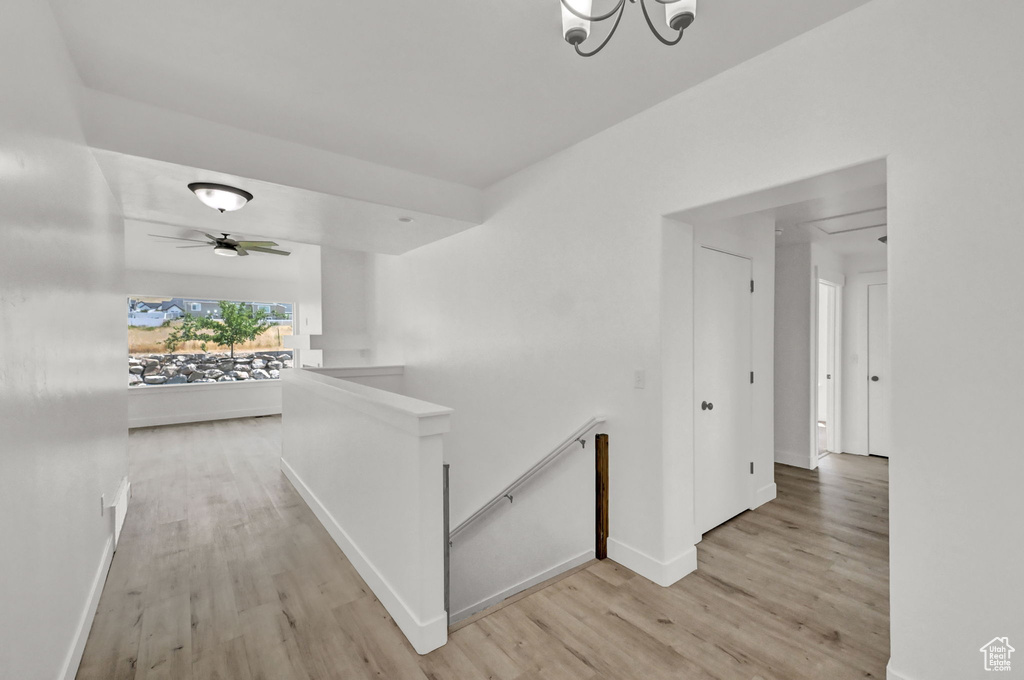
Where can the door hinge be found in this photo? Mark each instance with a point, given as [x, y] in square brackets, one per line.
[751, 467]
[751, 377]
[751, 285]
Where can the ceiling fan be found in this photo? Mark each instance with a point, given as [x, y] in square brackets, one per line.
[229, 247]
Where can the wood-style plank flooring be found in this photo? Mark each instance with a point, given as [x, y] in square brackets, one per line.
[222, 572]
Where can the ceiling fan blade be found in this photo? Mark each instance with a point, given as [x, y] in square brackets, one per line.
[178, 238]
[211, 237]
[205, 245]
[259, 244]
[270, 251]
[242, 252]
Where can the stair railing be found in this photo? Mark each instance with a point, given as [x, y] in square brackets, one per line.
[509, 491]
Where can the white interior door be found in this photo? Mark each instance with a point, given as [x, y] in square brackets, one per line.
[723, 328]
[878, 370]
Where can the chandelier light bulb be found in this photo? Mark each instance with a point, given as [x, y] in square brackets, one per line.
[578, 18]
[575, 29]
[680, 14]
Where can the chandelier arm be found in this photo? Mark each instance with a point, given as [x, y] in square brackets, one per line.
[622, 8]
[580, 15]
[657, 34]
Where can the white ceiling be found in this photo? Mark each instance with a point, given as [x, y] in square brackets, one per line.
[852, 213]
[154, 193]
[465, 90]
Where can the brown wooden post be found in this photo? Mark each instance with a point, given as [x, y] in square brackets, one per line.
[601, 455]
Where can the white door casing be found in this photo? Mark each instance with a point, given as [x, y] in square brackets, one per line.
[878, 370]
[723, 394]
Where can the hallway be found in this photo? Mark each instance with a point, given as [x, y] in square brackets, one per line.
[223, 572]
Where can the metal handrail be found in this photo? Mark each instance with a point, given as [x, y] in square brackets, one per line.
[509, 490]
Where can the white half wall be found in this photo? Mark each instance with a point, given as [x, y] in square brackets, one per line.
[62, 388]
[542, 315]
[369, 463]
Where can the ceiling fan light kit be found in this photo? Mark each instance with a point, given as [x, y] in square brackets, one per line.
[578, 16]
[220, 196]
[226, 246]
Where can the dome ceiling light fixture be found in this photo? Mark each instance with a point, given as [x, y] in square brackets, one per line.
[577, 17]
[220, 196]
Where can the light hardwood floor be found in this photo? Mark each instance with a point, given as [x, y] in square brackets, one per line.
[222, 572]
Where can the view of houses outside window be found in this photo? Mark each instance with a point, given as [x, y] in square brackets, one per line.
[177, 341]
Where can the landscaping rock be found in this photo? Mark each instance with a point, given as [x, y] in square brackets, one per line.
[177, 369]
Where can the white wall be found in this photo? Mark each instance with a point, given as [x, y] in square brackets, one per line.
[62, 392]
[174, 404]
[794, 351]
[142, 282]
[346, 340]
[538, 318]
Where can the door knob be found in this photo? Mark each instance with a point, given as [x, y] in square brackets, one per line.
[706, 406]
[874, 378]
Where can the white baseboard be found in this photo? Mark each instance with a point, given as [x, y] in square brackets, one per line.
[662, 573]
[74, 657]
[483, 604]
[764, 495]
[424, 636]
[181, 418]
[120, 507]
[795, 459]
[890, 674]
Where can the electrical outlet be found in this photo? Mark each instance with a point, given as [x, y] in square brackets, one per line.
[639, 379]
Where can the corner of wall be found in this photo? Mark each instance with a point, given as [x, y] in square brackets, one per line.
[662, 573]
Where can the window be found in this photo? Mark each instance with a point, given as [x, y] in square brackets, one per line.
[232, 341]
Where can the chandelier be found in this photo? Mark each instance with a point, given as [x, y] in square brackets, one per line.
[577, 18]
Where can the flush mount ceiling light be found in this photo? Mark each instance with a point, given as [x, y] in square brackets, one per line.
[577, 16]
[220, 196]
